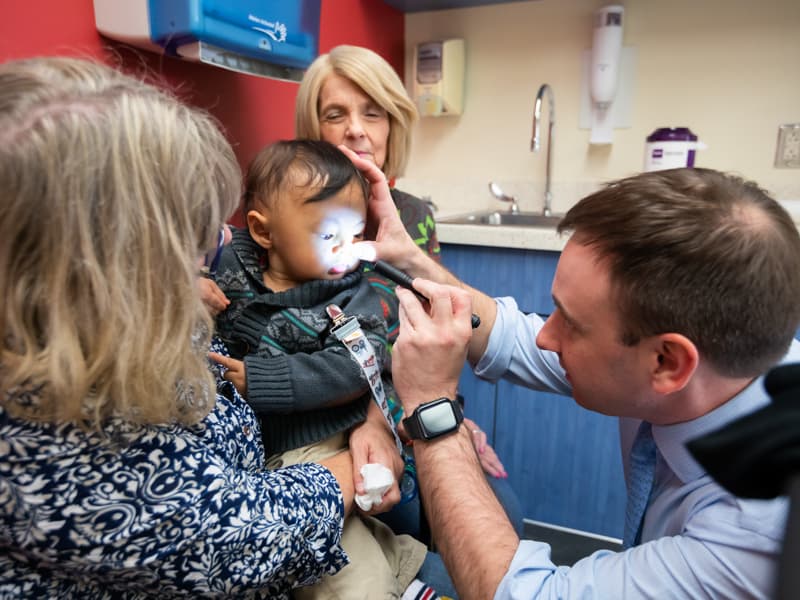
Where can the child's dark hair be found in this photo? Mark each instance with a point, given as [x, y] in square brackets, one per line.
[326, 168]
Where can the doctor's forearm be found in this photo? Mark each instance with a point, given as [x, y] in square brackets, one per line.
[470, 528]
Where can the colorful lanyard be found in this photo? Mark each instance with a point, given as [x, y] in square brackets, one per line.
[348, 331]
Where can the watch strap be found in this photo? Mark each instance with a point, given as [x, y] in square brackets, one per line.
[413, 426]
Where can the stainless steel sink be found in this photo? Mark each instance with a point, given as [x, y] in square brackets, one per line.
[520, 219]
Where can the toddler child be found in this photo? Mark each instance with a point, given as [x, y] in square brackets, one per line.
[305, 206]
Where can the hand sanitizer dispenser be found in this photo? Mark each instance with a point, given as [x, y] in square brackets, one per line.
[606, 48]
[604, 69]
[438, 86]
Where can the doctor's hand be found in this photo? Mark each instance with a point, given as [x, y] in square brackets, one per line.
[431, 348]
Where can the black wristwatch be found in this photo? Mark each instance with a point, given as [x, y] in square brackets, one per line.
[434, 419]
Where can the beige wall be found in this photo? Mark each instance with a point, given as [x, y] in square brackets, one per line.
[728, 69]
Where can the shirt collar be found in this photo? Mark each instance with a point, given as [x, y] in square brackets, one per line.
[671, 439]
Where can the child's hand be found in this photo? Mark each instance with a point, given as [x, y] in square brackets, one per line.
[235, 372]
[212, 296]
[371, 442]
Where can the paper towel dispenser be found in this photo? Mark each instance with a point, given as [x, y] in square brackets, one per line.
[271, 38]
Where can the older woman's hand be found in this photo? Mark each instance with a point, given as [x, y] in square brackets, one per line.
[391, 240]
[486, 455]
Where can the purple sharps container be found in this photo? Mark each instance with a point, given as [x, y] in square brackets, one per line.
[670, 148]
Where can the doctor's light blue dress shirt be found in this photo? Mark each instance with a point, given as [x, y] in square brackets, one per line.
[697, 540]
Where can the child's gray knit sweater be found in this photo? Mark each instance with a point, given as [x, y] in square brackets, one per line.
[301, 380]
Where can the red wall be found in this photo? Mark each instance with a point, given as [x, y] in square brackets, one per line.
[253, 110]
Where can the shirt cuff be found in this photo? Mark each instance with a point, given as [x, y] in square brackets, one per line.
[496, 358]
[529, 569]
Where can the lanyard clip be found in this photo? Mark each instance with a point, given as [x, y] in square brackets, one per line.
[344, 328]
[336, 314]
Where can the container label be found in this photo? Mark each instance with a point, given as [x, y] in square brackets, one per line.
[668, 155]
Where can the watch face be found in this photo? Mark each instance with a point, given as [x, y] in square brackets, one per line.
[438, 418]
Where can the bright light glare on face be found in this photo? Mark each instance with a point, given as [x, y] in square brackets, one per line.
[365, 251]
[334, 243]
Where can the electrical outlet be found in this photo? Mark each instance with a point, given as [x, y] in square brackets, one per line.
[787, 153]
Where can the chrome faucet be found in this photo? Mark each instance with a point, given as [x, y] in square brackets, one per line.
[536, 145]
[498, 193]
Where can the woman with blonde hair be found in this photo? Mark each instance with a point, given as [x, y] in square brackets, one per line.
[353, 97]
[124, 470]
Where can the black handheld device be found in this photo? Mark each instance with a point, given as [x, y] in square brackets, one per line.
[404, 279]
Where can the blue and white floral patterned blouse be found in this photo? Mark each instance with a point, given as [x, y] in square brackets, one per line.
[160, 511]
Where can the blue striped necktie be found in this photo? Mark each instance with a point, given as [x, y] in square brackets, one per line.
[640, 483]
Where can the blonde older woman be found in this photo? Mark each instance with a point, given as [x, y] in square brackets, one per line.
[123, 472]
[352, 96]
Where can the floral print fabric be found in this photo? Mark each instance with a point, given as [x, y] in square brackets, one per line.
[146, 511]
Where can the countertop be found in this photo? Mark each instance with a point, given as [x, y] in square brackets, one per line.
[531, 238]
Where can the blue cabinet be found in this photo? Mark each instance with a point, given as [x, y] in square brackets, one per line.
[563, 461]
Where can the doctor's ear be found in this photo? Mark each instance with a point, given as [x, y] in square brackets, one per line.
[258, 225]
[675, 360]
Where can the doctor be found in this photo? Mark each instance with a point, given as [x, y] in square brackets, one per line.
[676, 292]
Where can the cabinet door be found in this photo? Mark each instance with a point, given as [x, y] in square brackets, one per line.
[563, 461]
[479, 401]
[495, 271]
[524, 274]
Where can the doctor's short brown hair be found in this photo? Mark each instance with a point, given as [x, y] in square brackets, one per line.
[701, 253]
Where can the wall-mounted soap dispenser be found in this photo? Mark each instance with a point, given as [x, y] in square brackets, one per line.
[604, 69]
[608, 77]
[438, 83]
[606, 51]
